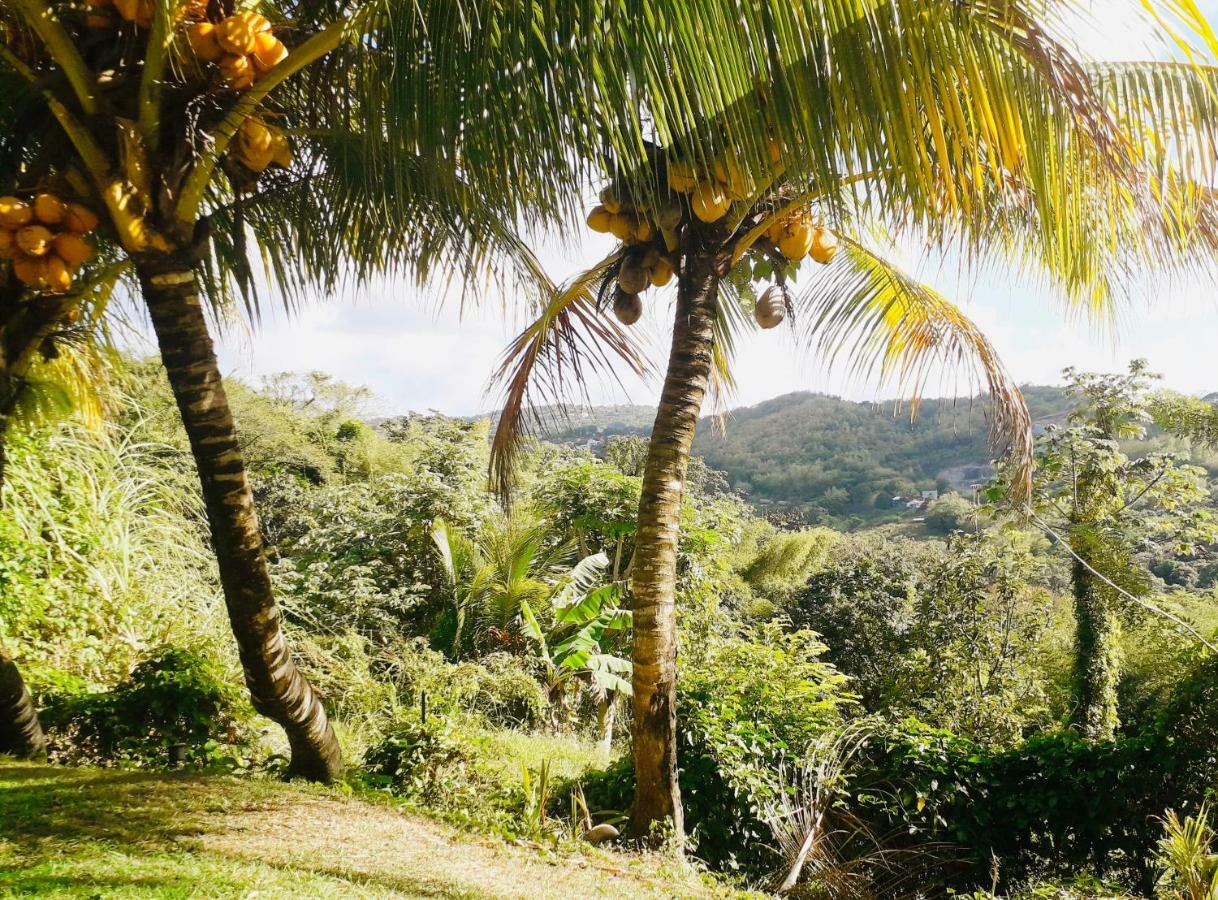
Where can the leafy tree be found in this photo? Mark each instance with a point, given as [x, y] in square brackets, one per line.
[950, 513]
[1109, 505]
[834, 137]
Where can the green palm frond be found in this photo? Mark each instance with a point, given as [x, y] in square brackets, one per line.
[888, 325]
[567, 343]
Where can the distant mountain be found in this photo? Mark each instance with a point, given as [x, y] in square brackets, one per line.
[829, 459]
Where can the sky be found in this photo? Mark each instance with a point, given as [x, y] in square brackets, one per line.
[416, 357]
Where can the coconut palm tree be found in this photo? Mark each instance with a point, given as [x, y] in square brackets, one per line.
[340, 139]
[967, 127]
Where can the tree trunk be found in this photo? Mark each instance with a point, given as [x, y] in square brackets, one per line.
[20, 731]
[278, 689]
[1096, 655]
[654, 576]
[606, 713]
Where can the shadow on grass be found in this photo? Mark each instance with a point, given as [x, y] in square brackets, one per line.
[120, 806]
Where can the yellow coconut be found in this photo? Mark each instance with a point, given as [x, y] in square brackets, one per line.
[610, 200]
[29, 270]
[643, 231]
[796, 243]
[269, 51]
[710, 203]
[661, 272]
[202, 38]
[14, 212]
[237, 72]
[775, 149]
[237, 35]
[57, 277]
[681, 176]
[824, 245]
[254, 134]
[627, 307]
[49, 209]
[8, 244]
[621, 226]
[79, 219]
[281, 150]
[72, 249]
[599, 219]
[34, 240]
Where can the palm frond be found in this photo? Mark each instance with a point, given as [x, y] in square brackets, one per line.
[569, 341]
[889, 325]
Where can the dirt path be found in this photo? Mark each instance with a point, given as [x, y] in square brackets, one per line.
[106, 833]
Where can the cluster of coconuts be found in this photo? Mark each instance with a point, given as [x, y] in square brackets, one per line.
[44, 238]
[242, 46]
[711, 189]
[641, 268]
[258, 144]
[645, 263]
[797, 236]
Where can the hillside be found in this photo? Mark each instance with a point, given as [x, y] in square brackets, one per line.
[113, 833]
[830, 459]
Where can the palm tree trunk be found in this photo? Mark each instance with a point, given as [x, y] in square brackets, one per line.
[20, 731]
[278, 689]
[654, 576]
[1096, 656]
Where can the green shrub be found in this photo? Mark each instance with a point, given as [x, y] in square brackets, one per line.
[424, 760]
[173, 697]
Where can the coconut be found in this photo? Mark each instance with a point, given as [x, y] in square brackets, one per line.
[824, 245]
[661, 272]
[202, 39]
[642, 231]
[771, 307]
[796, 243]
[49, 209]
[255, 135]
[79, 219]
[14, 213]
[34, 240]
[681, 177]
[237, 72]
[668, 213]
[621, 226]
[736, 182]
[8, 244]
[269, 51]
[281, 149]
[710, 203]
[57, 277]
[610, 200]
[237, 35]
[633, 277]
[627, 307]
[29, 270]
[72, 249]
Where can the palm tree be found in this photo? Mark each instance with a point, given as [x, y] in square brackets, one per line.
[348, 139]
[913, 117]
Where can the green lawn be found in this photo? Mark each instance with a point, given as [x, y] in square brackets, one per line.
[117, 833]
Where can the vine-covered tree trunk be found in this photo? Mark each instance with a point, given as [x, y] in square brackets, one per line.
[279, 690]
[1096, 656]
[654, 576]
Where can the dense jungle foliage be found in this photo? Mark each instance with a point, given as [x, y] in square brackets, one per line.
[476, 659]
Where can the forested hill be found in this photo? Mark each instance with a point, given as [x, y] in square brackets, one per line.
[831, 459]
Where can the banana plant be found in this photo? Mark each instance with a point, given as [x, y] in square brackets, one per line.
[574, 648]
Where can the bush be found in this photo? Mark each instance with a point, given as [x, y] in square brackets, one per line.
[174, 697]
[425, 760]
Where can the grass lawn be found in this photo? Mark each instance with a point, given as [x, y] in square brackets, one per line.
[117, 833]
